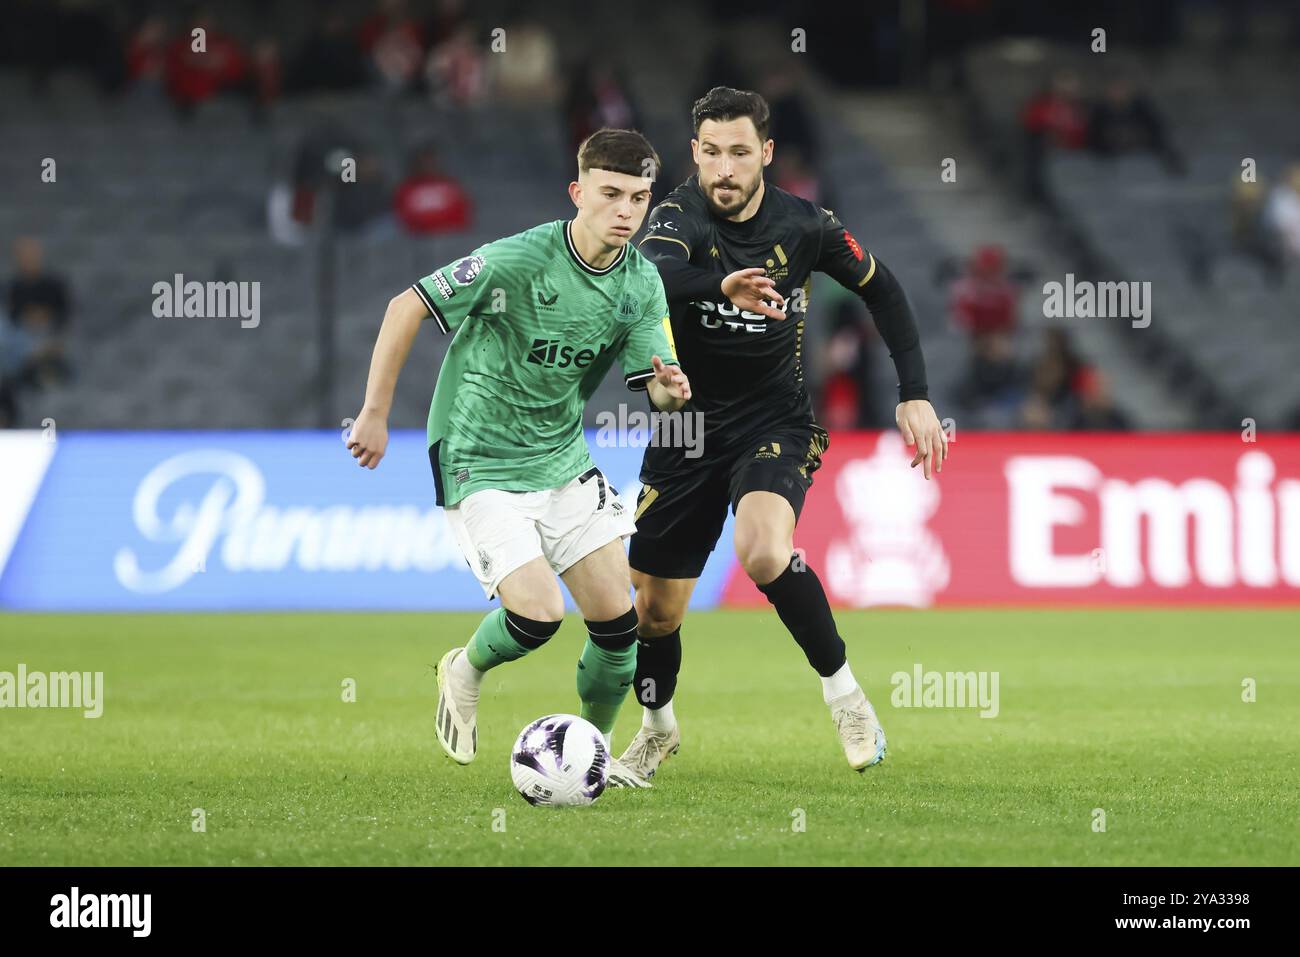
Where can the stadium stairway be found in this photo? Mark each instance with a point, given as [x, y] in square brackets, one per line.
[914, 134]
[1222, 335]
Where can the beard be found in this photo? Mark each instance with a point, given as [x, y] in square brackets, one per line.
[742, 197]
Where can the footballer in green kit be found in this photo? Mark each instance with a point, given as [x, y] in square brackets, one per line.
[537, 318]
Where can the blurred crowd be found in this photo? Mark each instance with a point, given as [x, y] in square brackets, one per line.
[1264, 227]
[1122, 120]
[1264, 216]
[440, 51]
[427, 200]
[34, 316]
[1014, 378]
[1053, 389]
[188, 56]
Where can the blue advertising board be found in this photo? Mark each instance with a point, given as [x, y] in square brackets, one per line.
[248, 520]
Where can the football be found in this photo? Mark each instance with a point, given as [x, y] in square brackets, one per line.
[560, 761]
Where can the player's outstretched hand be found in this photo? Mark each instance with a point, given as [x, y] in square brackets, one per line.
[369, 438]
[920, 427]
[750, 289]
[671, 378]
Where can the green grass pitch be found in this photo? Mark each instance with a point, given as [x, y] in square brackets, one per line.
[1138, 713]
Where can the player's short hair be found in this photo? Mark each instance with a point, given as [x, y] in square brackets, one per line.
[724, 103]
[619, 151]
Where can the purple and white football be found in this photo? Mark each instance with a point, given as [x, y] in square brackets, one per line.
[560, 761]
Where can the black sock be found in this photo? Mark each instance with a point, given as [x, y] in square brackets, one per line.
[657, 662]
[801, 604]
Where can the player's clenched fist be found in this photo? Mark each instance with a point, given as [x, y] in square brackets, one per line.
[369, 438]
[920, 427]
[750, 289]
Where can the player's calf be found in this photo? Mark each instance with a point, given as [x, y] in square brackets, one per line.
[800, 602]
[606, 669]
[658, 660]
[660, 604]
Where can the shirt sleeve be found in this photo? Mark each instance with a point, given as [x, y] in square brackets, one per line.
[842, 258]
[861, 273]
[459, 290]
[672, 236]
[651, 336]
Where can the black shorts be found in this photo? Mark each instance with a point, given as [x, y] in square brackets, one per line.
[681, 510]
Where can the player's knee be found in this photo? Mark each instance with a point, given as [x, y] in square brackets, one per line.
[657, 627]
[616, 635]
[538, 607]
[655, 616]
[606, 607]
[530, 633]
[761, 554]
[764, 562]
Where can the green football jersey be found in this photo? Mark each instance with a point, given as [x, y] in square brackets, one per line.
[536, 329]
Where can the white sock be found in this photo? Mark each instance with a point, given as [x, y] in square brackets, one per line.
[660, 719]
[466, 673]
[839, 684]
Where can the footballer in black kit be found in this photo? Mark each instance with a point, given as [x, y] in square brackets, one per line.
[746, 368]
[736, 257]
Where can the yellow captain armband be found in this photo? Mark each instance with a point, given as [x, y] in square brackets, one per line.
[668, 332]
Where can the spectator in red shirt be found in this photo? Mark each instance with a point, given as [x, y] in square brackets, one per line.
[266, 75]
[1093, 409]
[146, 53]
[195, 75]
[429, 201]
[840, 401]
[393, 42]
[848, 397]
[1058, 113]
[984, 300]
[1057, 118]
[455, 72]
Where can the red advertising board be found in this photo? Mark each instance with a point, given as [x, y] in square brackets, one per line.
[1051, 518]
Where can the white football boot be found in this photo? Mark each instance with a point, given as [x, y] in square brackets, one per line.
[859, 729]
[646, 752]
[622, 776]
[457, 711]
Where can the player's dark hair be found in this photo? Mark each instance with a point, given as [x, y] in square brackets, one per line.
[619, 151]
[724, 103]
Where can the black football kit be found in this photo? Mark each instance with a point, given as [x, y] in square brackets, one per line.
[746, 370]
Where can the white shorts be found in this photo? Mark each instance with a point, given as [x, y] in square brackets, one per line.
[499, 531]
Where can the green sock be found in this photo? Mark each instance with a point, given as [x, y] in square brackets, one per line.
[492, 644]
[604, 677]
